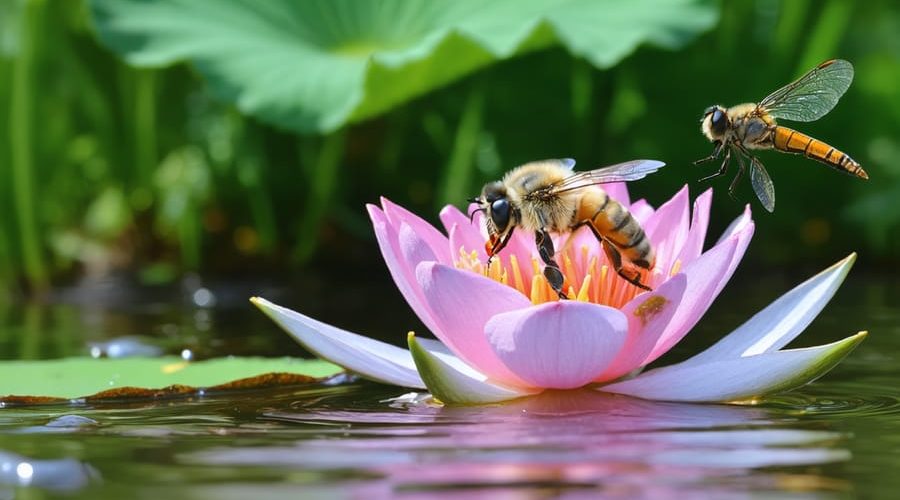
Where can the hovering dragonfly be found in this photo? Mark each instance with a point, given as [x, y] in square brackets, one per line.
[740, 128]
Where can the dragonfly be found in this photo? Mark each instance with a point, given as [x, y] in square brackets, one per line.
[738, 130]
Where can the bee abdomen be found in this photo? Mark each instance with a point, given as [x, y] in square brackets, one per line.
[614, 223]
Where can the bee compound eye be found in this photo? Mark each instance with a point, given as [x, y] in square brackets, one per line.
[500, 213]
[718, 121]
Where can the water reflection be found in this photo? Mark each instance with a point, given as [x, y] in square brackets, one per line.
[837, 437]
[568, 440]
[60, 475]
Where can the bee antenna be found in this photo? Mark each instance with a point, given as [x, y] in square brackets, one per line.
[474, 200]
[473, 212]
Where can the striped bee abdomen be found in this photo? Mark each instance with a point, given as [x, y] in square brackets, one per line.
[615, 224]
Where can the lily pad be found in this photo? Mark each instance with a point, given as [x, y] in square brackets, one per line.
[96, 379]
[315, 65]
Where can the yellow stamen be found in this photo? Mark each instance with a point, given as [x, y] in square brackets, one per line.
[536, 287]
[587, 277]
[517, 273]
[585, 286]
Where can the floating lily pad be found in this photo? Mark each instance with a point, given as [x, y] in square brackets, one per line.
[96, 379]
[318, 64]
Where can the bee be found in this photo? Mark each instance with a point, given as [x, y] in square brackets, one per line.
[548, 196]
[752, 126]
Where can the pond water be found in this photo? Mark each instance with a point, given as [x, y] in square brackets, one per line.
[345, 438]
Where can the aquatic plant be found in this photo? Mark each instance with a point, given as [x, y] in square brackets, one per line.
[503, 334]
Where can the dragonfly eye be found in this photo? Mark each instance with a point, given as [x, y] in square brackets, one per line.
[500, 214]
[718, 121]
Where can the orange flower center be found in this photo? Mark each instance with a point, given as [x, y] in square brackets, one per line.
[588, 277]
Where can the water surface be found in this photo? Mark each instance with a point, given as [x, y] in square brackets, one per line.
[347, 438]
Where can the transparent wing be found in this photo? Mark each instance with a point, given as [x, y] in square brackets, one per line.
[813, 95]
[620, 172]
[762, 184]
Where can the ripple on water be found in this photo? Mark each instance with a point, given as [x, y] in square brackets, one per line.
[838, 400]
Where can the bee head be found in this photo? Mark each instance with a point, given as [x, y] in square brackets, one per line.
[495, 203]
[714, 123]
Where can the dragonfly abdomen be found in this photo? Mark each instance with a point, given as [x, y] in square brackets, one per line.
[791, 141]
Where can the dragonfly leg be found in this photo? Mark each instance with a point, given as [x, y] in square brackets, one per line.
[737, 178]
[715, 154]
[722, 169]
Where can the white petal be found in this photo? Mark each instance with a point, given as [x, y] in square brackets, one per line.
[451, 385]
[737, 379]
[780, 322]
[369, 358]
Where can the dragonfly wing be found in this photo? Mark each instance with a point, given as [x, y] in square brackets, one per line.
[762, 184]
[813, 95]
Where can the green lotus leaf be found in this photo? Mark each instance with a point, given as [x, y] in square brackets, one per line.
[129, 378]
[315, 65]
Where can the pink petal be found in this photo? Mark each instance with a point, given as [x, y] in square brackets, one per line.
[475, 234]
[522, 246]
[738, 224]
[706, 276]
[619, 192]
[454, 384]
[462, 303]
[558, 345]
[668, 228]
[648, 316]
[462, 238]
[693, 246]
[399, 267]
[641, 210]
[435, 240]
[451, 215]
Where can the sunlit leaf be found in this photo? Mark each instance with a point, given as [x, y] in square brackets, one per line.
[41, 381]
[317, 64]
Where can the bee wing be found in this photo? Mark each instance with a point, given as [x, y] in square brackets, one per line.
[813, 95]
[762, 184]
[620, 172]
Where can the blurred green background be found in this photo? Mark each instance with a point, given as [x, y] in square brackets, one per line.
[238, 138]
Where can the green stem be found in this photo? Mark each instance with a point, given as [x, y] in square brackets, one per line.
[144, 125]
[456, 182]
[582, 104]
[190, 236]
[791, 16]
[261, 210]
[21, 116]
[322, 187]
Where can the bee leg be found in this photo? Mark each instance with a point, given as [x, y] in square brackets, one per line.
[715, 154]
[551, 269]
[615, 258]
[722, 169]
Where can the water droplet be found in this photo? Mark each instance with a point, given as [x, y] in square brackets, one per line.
[203, 297]
[25, 472]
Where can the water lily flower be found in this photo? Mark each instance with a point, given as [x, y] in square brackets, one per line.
[502, 333]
